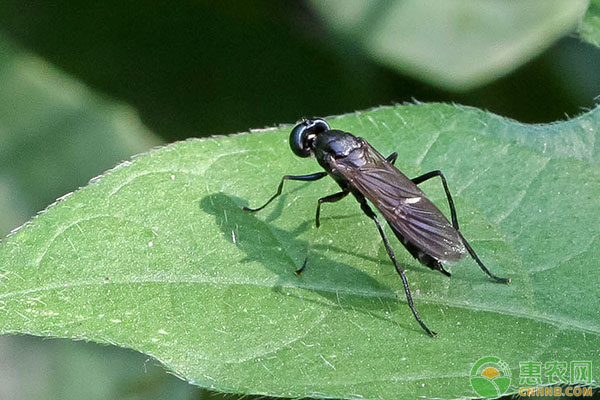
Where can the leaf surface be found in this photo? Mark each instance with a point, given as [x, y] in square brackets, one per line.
[158, 256]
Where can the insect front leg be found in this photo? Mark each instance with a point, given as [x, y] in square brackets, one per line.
[310, 177]
[432, 174]
[367, 210]
[328, 199]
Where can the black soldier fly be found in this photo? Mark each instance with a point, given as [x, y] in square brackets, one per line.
[361, 170]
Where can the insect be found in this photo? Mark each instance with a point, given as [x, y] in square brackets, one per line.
[362, 171]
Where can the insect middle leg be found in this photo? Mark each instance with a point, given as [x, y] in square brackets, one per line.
[367, 210]
[310, 177]
[328, 199]
[432, 174]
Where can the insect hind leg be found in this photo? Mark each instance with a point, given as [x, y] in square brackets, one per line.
[367, 210]
[434, 264]
[431, 262]
[480, 263]
[432, 174]
[392, 158]
[423, 258]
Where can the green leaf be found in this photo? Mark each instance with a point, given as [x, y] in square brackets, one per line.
[54, 369]
[456, 44]
[158, 256]
[589, 28]
[52, 128]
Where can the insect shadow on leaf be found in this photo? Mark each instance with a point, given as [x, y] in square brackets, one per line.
[343, 286]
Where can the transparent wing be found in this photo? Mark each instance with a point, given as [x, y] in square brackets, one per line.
[403, 205]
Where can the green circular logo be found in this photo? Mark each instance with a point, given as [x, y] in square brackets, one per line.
[490, 377]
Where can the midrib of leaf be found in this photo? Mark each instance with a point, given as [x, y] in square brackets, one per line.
[562, 323]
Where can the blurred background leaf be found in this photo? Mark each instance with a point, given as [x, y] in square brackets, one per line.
[181, 68]
[589, 29]
[32, 368]
[184, 67]
[454, 44]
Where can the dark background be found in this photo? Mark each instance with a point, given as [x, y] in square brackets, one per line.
[195, 68]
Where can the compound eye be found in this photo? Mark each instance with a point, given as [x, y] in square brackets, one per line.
[303, 134]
